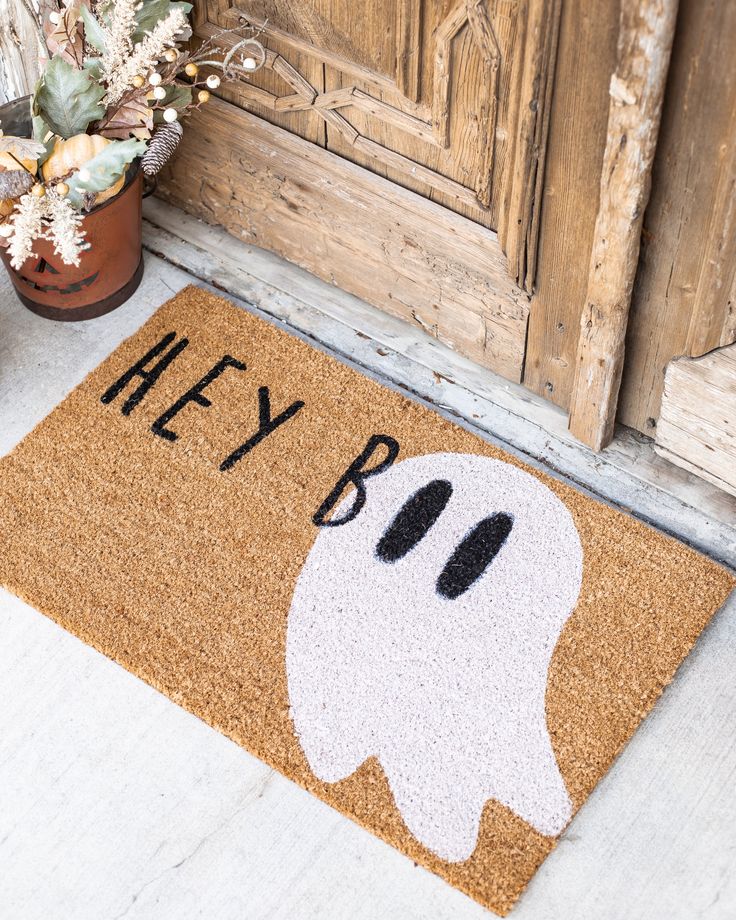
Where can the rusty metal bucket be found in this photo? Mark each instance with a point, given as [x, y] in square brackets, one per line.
[108, 272]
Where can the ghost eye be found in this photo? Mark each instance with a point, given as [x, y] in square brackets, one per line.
[414, 520]
[474, 554]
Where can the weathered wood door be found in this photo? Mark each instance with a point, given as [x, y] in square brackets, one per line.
[443, 105]
[447, 98]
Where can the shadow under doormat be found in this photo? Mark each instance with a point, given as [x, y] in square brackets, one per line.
[442, 643]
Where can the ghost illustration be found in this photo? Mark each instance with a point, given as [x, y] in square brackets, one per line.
[421, 632]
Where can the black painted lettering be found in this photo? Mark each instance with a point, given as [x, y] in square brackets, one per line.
[356, 474]
[195, 395]
[266, 426]
[149, 376]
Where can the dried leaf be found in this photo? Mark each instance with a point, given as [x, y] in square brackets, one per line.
[93, 66]
[67, 99]
[44, 137]
[22, 147]
[131, 118]
[66, 38]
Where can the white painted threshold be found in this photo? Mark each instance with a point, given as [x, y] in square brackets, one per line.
[628, 473]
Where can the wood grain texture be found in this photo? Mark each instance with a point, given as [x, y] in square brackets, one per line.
[697, 422]
[393, 248]
[577, 136]
[408, 50]
[519, 230]
[232, 15]
[683, 301]
[457, 146]
[21, 46]
[445, 32]
[470, 113]
[645, 39]
[363, 33]
[478, 84]
[250, 95]
[482, 30]
[306, 97]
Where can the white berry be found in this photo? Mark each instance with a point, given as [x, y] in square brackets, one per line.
[250, 64]
[55, 18]
[213, 81]
[6, 230]
[155, 78]
[170, 115]
[159, 92]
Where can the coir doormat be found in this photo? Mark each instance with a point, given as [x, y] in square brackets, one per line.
[442, 643]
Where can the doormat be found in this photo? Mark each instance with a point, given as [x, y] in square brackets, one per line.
[444, 644]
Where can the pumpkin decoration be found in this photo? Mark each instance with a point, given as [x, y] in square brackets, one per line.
[70, 155]
[8, 162]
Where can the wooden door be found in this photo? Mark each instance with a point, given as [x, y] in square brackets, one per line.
[399, 151]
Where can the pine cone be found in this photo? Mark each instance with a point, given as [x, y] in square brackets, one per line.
[14, 183]
[164, 142]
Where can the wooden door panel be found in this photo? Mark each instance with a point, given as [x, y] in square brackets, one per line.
[361, 33]
[449, 99]
[305, 123]
[449, 139]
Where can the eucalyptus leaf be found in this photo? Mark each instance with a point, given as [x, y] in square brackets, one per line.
[93, 33]
[104, 169]
[152, 12]
[67, 99]
[40, 129]
[43, 134]
[177, 97]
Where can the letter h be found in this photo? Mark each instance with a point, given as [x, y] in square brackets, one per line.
[148, 376]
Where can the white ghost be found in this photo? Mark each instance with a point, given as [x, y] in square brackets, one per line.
[438, 670]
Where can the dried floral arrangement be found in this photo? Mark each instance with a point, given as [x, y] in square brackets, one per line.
[119, 79]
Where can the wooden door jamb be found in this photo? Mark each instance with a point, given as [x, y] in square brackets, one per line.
[646, 31]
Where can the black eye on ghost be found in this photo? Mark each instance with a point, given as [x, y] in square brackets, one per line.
[471, 557]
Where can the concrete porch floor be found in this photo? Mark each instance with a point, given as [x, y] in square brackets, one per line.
[116, 803]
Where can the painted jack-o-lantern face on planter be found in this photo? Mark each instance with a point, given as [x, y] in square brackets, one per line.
[44, 278]
[109, 269]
